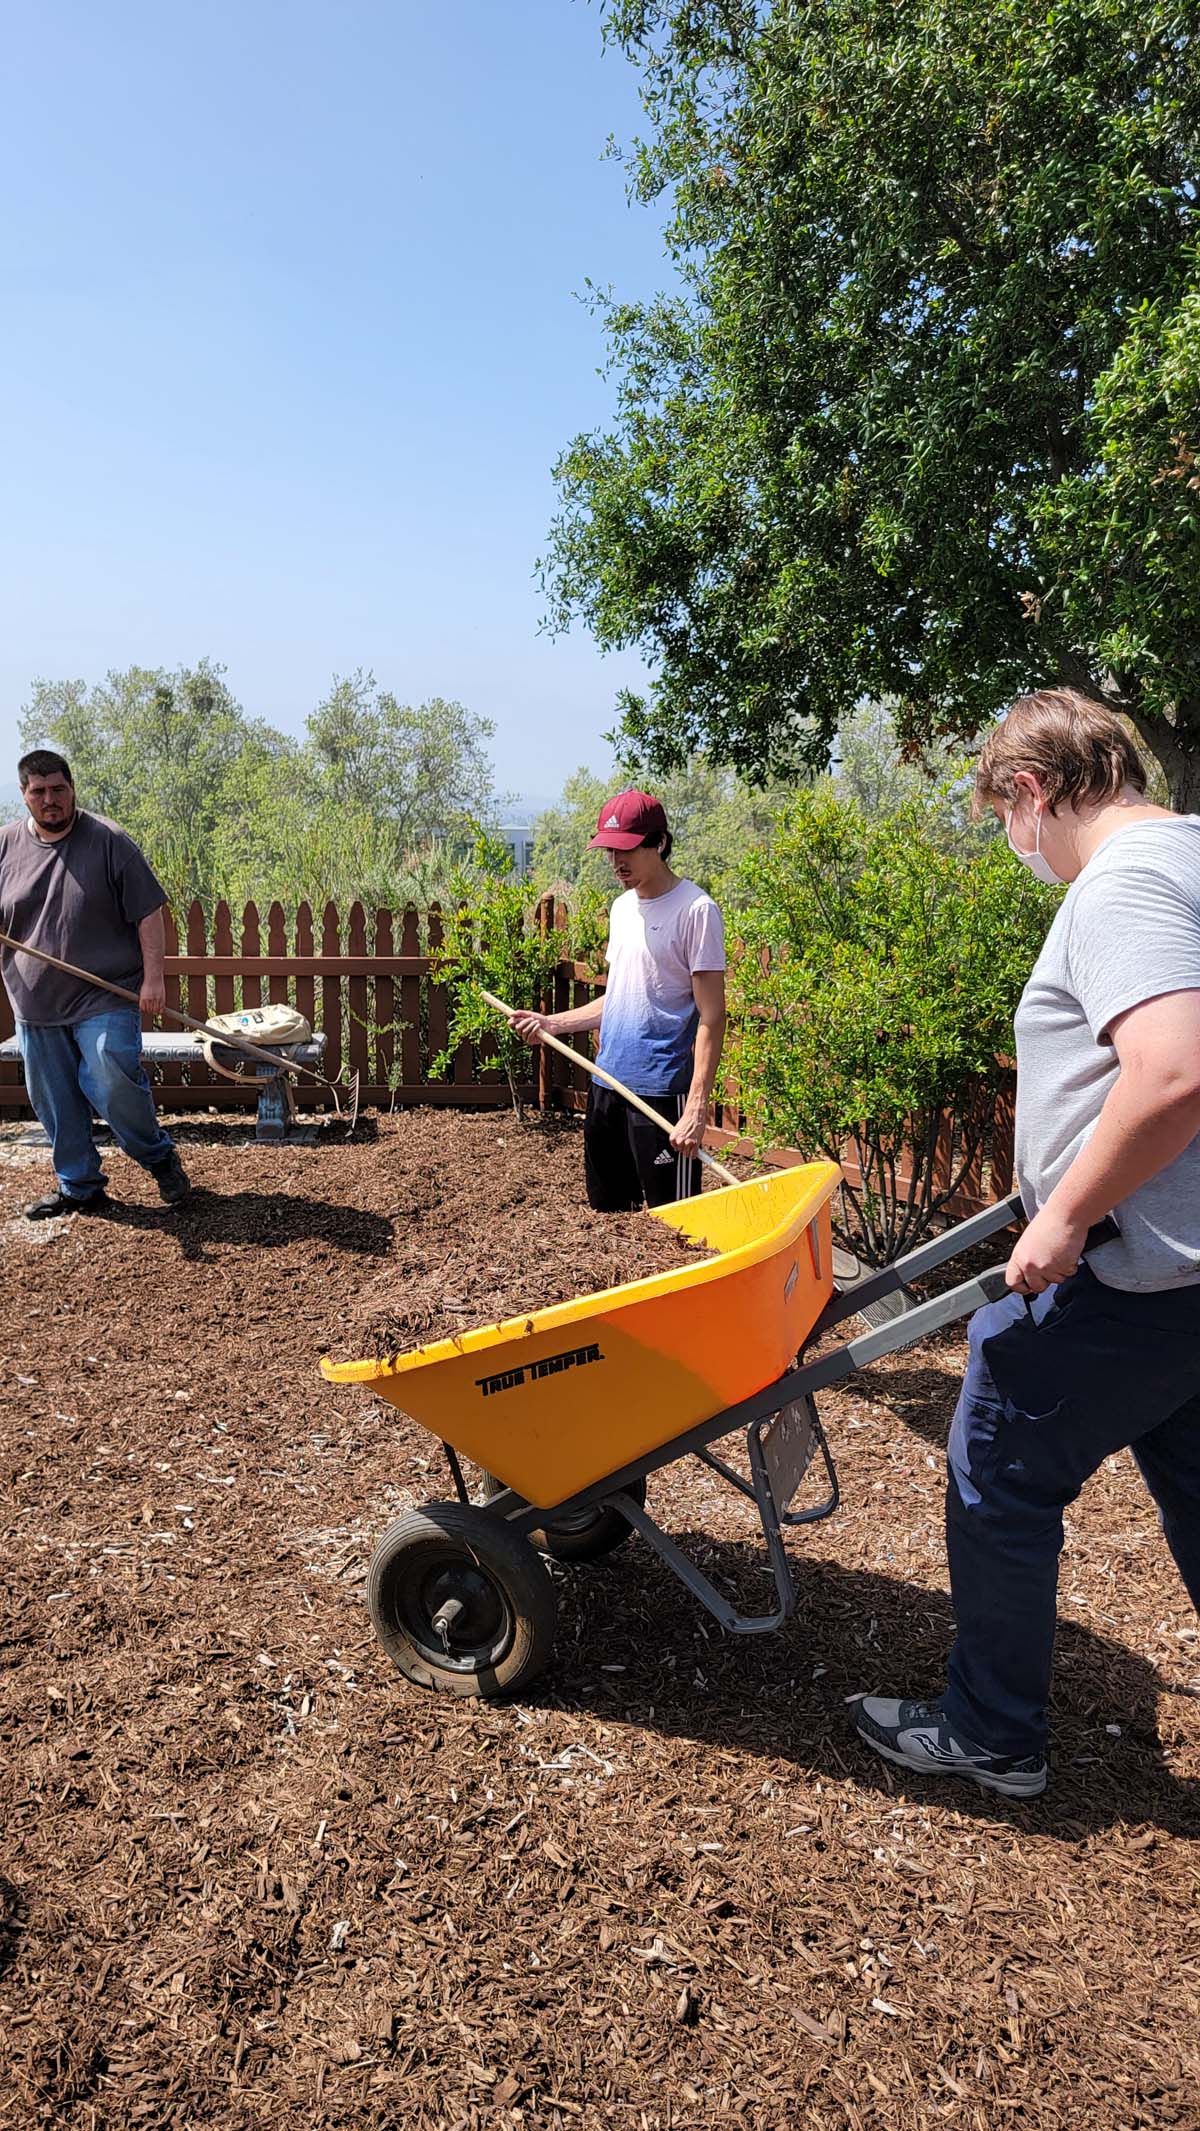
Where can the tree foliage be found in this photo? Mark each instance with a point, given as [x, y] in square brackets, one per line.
[714, 817]
[718, 818]
[873, 1005]
[921, 419]
[423, 770]
[376, 801]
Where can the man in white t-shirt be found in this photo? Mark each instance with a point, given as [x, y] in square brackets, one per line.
[661, 1019]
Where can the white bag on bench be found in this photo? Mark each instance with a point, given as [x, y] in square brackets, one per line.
[275, 1027]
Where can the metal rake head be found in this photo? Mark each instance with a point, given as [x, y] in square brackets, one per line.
[346, 1113]
[352, 1095]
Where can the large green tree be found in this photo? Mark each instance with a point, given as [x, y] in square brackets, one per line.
[426, 768]
[921, 417]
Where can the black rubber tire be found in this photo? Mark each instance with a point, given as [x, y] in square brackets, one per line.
[505, 1634]
[596, 1533]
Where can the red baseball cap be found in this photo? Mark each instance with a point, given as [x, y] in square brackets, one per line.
[630, 819]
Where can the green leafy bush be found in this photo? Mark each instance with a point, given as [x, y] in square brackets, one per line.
[494, 940]
[873, 1002]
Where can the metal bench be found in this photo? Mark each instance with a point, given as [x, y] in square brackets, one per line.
[274, 1114]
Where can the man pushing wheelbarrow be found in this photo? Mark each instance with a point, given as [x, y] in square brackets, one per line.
[1095, 1349]
[1089, 1340]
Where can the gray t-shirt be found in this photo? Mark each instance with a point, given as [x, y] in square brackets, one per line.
[1127, 930]
[81, 898]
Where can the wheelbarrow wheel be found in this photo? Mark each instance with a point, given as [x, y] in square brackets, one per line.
[460, 1602]
[587, 1536]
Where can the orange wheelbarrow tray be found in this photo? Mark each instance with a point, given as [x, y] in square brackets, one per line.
[568, 1410]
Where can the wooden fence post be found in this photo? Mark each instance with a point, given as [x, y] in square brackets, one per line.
[439, 1012]
[172, 1075]
[1002, 1166]
[199, 1005]
[251, 985]
[411, 1047]
[384, 1007]
[331, 996]
[277, 983]
[223, 946]
[358, 1035]
[306, 987]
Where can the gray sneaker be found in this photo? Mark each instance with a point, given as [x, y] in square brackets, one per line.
[916, 1735]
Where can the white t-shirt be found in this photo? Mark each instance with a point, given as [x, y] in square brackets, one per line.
[655, 946]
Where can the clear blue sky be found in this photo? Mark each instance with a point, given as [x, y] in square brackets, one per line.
[291, 341]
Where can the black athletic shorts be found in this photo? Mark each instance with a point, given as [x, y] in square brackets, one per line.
[628, 1162]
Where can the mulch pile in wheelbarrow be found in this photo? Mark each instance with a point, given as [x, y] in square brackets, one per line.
[515, 1232]
[249, 1878]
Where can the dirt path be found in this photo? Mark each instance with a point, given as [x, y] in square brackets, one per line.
[249, 1877]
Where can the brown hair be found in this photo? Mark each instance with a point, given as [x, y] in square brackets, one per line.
[1078, 751]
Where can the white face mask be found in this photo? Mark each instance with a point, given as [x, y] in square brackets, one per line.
[1040, 867]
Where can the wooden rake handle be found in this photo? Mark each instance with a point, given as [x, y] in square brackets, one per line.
[173, 1013]
[598, 1073]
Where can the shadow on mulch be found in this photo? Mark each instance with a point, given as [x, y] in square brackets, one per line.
[12, 1923]
[267, 1220]
[917, 1397]
[787, 1696]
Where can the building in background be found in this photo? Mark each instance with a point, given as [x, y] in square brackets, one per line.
[519, 838]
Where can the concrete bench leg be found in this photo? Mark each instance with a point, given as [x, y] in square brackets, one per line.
[275, 1105]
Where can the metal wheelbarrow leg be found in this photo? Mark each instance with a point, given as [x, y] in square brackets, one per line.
[781, 1447]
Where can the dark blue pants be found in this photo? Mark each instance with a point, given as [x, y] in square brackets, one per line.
[1050, 1392]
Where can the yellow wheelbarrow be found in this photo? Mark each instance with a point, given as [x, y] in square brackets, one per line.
[568, 1410]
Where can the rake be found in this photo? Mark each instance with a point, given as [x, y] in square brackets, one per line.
[598, 1073]
[275, 1059]
[845, 1265]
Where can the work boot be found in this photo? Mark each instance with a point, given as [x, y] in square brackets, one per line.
[59, 1202]
[916, 1735]
[171, 1178]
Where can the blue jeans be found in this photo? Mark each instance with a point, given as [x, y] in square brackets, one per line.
[94, 1064]
[1050, 1392]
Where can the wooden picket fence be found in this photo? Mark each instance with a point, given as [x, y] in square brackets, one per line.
[369, 985]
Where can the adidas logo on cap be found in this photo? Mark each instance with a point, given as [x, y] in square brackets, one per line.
[627, 819]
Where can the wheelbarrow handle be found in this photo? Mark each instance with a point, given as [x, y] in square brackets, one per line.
[598, 1073]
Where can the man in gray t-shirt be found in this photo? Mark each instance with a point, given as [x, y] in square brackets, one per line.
[1097, 1347]
[1126, 933]
[77, 887]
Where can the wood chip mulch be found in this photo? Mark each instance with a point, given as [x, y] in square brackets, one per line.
[249, 1877]
[514, 1231]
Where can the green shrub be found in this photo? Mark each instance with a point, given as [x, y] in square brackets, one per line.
[873, 1001]
[493, 940]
